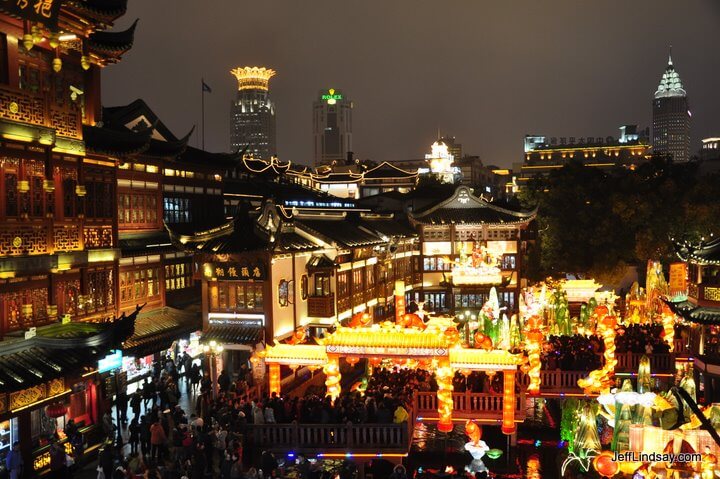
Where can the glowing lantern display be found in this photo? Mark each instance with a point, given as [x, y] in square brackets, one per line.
[604, 464]
[599, 380]
[444, 375]
[352, 360]
[533, 343]
[399, 301]
[332, 377]
[274, 379]
[56, 410]
[508, 414]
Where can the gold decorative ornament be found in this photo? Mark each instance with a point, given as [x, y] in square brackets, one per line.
[36, 34]
[27, 41]
[80, 190]
[13, 108]
[54, 40]
[23, 186]
[85, 62]
[49, 186]
[56, 65]
[17, 242]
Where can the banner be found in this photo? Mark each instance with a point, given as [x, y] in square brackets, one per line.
[43, 11]
[678, 278]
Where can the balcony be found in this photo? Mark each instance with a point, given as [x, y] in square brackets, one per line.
[321, 306]
[40, 110]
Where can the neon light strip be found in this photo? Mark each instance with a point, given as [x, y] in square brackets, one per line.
[349, 454]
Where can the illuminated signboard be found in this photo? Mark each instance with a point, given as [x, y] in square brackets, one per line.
[43, 11]
[110, 362]
[331, 97]
[235, 271]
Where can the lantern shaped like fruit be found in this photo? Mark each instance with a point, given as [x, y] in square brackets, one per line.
[604, 464]
[56, 410]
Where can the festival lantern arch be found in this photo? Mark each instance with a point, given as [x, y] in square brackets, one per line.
[438, 340]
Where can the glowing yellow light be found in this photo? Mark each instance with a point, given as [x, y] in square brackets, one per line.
[253, 78]
[444, 376]
[275, 379]
[508, 419]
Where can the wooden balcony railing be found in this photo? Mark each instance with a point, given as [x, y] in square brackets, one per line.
[311, 438]
[321, 306]
[555, 380]
[40, 109]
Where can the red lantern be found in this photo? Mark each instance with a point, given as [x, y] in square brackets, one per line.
[604, 464]
[610, 322]
[352, 360]
[601, 310]
[479, 338]
[56, 410]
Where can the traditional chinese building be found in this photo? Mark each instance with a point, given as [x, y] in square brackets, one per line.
[469, 246]
[160, 180]
[701, 308]
[270, 271]
[58, 228]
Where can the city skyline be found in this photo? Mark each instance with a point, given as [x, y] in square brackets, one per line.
[490, 93]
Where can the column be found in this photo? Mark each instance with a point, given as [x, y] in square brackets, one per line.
[444, 375]
[275, 379]
[508, 414]
[332, 376]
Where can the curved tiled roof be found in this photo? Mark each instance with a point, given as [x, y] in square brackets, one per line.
[703, 253]
[113, 43]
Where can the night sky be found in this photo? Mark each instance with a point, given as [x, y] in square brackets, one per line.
[486, 72]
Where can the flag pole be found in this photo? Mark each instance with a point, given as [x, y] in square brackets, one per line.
[202, 89]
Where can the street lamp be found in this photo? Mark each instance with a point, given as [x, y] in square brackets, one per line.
[213, 349]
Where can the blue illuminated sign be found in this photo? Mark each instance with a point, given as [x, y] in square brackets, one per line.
[111, 361]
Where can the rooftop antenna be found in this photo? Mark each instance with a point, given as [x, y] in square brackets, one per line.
[670, 57]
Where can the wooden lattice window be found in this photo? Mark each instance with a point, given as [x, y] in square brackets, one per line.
[11, 194]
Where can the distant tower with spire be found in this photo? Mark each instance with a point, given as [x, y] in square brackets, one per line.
[671, 117]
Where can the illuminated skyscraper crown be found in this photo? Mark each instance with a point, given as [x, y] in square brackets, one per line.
[253, 78]
[670, 84]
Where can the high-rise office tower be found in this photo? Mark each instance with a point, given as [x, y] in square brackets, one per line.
[252, 113]
[332, 127]
[671, 117]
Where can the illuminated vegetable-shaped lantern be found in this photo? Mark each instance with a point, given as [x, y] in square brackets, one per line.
[473, 432]
[360, 319]
[604, 464]
[494, 453]
[487, 343]
[610, 322]
[56, 410]
[601, 310]
[479, 338]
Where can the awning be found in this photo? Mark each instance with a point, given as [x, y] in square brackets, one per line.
[157, 330]
[250, 335]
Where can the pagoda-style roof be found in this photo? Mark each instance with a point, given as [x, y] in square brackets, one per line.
[338, 229]
[231, 334]
[465, 208]
[292, 241]
[670, 84]
[702, 253]
[694, 313]
[137, 116]
[168, 149]
[113, 43]
[388, 171]
[59, 350]
[388, 225]
[144, 242]
[257, 166]
[320, 263]
[157, 329]
[248, 231]
[105, 11]
[105, 141]
[339, 178]
[388, 340]
[196, 156]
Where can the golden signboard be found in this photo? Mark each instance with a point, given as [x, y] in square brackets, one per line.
[678, 278]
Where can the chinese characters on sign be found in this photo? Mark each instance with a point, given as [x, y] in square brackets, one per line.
[43, 11]
[238, 272]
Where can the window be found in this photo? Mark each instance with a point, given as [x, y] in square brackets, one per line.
[342, 284]
[358, 279]
[69, 204]
[177, 276]
[248, 296]
[322, 285]
[369, 277]
[3, 59]
[508, 261]
[435, 302]
[98, 199]
[177, 210]
[472, 301]
[11, 194]
[304, 287]
[434, 263]
[137, 208]
[100, 291]
[283, 293]
[139, 284]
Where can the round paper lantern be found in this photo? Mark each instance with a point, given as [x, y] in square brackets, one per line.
[604, 464]
[601, 310]
[352, 360]
[56, 410]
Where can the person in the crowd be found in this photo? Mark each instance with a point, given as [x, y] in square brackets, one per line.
[14, 461]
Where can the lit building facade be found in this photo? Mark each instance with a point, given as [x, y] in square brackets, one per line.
[332, 127]
[252, 113]
[543, 154]
[58, 226]
[671, 117]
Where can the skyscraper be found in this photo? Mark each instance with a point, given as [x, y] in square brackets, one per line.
[252, 113]
[671, 117]
[332, 127]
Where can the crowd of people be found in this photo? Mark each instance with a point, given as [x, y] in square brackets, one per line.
[572, 353]
[642, 339]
